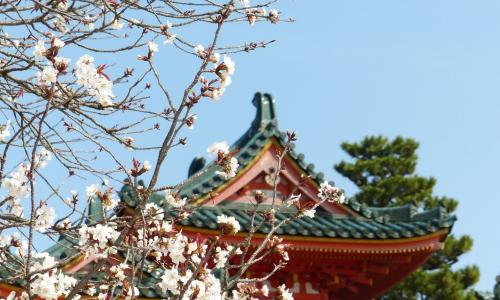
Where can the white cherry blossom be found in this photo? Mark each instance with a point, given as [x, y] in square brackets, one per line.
[265, 290]
[228, 224]
[230, 65]
[217, 147]
[44, 218]
[174, 200]
[58, 43]
[153, 47]
[229, 168]
[283, 293]
[97, 84]
[39, 50]
[4, 131]
[117, 25]
[170, 281]
[61, 62]
[153, 211]
[274, 16]
[62, 5]
[49, 285]
[309, 213]
[128, 141]
[95, 240]
[221, 256]
[199, 50]
[89, 23]
[245, 3]
[91, 190]
[15, 207]
[17, 184]
[330, 193]
[48, 75]
[42, 158]
[132, 293]
[118, 271]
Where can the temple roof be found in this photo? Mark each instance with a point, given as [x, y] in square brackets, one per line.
[370, 222]
[344, 233]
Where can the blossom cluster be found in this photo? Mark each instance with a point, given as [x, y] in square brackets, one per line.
[330, 193]
[44, 218]
[206, 288]
[154, 212]
[222, 254]
[245, 291]
[283, 293]
[223, 69]
[309, 212]
[97, 83]
[98, 240]
[228, 224]
[107, 198]
[118, 271]
[18, 182]
[225, 159]
[93, 78]
[229, 166]
[174, 200]
[156, 234]
[9, 243]
[276, 246]
[175, 254]
[57, 65]
[49, 285]
[217, 147]
[138, 169]
[253, 14]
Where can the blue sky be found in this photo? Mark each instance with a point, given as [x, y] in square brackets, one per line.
[429, 70]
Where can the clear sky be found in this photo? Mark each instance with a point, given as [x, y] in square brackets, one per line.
[429, 70]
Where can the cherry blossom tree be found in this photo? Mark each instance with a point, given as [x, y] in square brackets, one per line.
[74, 113]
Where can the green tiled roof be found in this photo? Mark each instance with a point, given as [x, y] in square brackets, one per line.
[376, 223]
[372, 223]
[389, 224]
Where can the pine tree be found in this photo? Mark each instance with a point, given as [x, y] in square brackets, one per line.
[384, 172]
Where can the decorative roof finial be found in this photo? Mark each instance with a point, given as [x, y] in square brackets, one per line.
[197, 164]
[266, 113]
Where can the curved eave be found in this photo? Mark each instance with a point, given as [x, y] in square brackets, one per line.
[427, 243]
